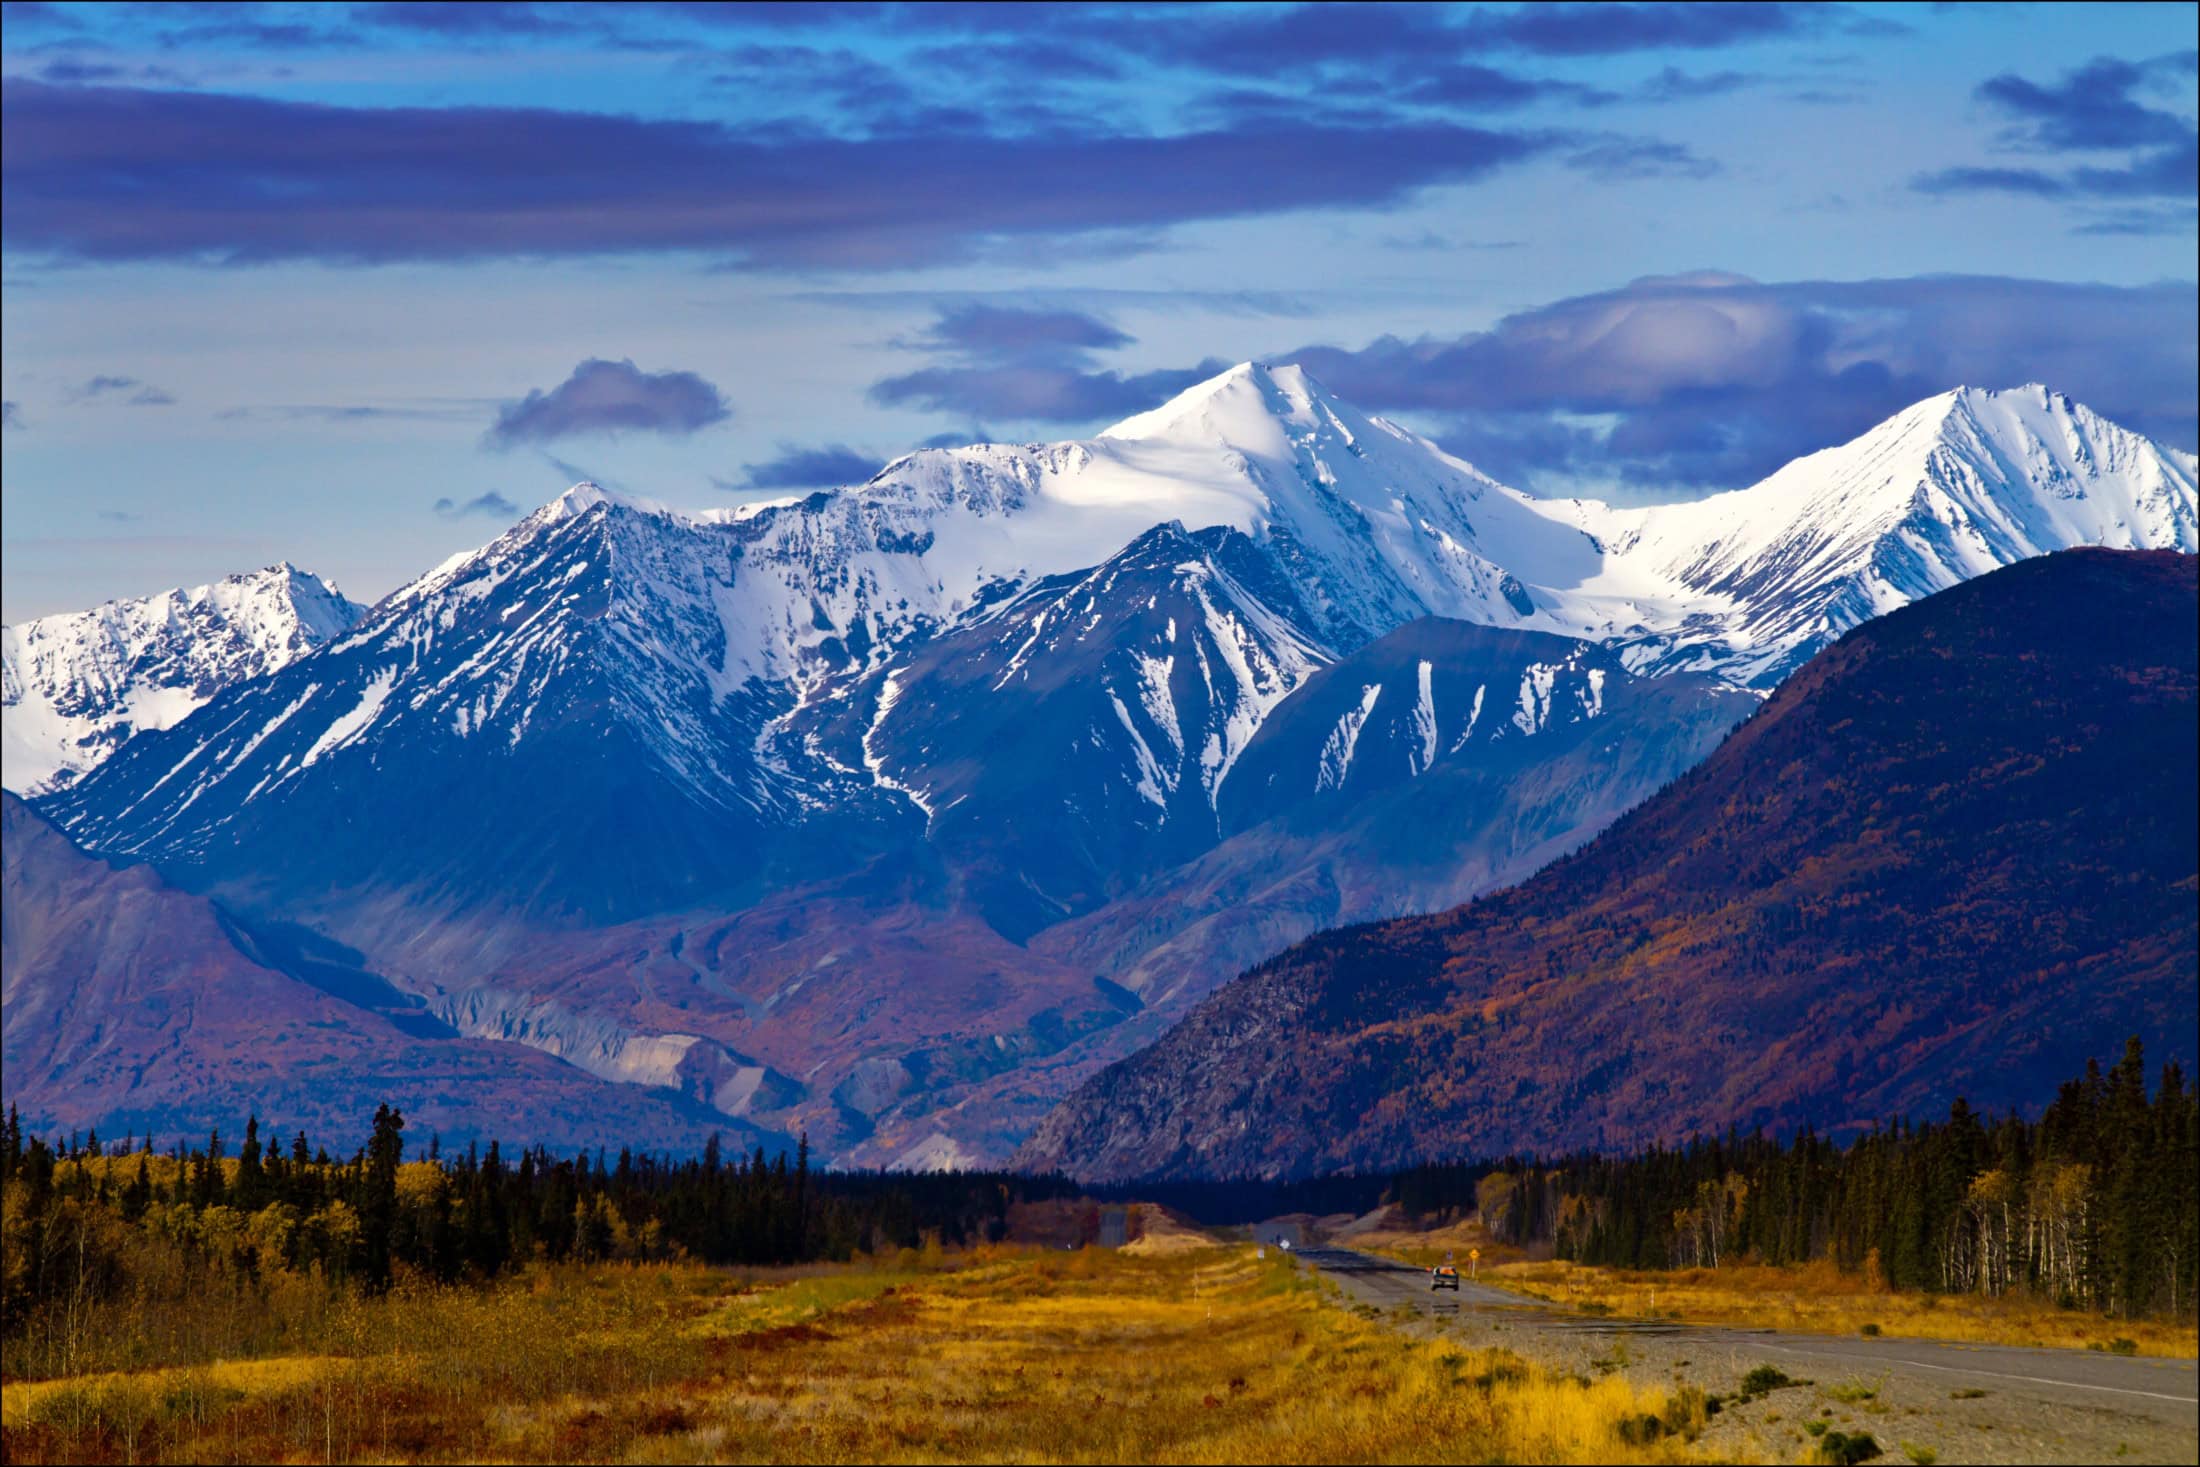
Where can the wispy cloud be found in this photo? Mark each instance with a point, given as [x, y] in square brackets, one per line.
[1619, 159]
[127, 389]
[1037, 365]
[438, 410]
[2093, 109]
[490, 505]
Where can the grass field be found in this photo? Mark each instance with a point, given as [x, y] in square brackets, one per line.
[1819, 1298]
[1211, 1355]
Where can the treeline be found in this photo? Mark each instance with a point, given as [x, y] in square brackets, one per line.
[84, 1220]
[2096, 1204]
[1232, 1203]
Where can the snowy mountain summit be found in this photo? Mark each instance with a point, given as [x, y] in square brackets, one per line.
[860, 799]
[1748, 584]
[78, 684]
[766, 665]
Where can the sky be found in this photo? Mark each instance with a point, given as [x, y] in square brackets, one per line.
[356, 286]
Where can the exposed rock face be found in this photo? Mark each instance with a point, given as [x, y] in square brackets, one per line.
[75, 687]
[131, 1006]
[1955, 855]
[893, 811]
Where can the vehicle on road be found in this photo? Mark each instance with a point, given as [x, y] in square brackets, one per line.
[1444, 1276]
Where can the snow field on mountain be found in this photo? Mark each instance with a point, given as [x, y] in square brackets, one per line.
[721, 644]
[75, 685]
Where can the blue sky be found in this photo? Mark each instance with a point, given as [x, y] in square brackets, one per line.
[355, 285]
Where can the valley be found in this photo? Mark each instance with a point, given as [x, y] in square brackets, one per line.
[891, 815]
[1455, 732]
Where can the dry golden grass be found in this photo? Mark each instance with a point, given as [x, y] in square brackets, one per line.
[1819, 1298]
[1205, 1357]
[1425, 1246]
[1163, 1234]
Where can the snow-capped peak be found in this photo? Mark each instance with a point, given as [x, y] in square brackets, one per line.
[1237, 397]
[77, 684]
[1751, 582]
[1252, 408]
[587, 494]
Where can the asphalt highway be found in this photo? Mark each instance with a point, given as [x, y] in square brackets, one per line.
[2166, 1392]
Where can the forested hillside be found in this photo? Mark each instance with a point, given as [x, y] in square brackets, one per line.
[1955, 855]
[2090, 1205]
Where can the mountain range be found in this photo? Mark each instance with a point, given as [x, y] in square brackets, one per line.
[75, 687]
[134, 1007]
[893, 812]
[1955, 855]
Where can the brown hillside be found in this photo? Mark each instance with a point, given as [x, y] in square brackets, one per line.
[1954, 854]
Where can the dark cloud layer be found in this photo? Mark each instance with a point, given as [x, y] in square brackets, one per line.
[611, 397]
[1253, 38]
[827, 466]
[118, 174]
[1713, 381]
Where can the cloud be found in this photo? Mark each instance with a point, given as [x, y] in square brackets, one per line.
[430, 410]
[2093, 109]
[74, 70]
[11, 417]
[1712, 381]
[1039, 393]
[491, 505]
[464, 19]
[1031, 365]
[824, 467]
[2165, 173]
[573, 473]
[1611, 29]
[1280, 40]
[1617, 160]
[611, 397]
[1018, 332]
[141, 394]
[2139, 222]
[1073, 297]
[1429, 239]
[1675, 85]
[107, 173]
[1474, 86]
[959, 438]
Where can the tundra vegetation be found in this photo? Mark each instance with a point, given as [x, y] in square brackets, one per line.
[990, 1353]
[280, 1303]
